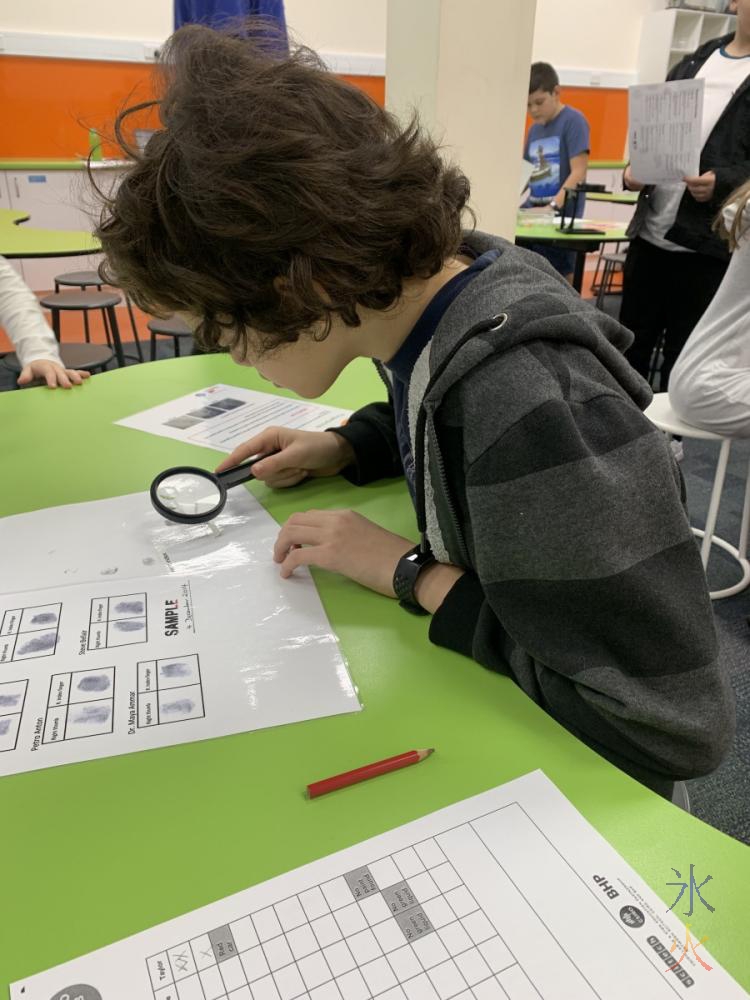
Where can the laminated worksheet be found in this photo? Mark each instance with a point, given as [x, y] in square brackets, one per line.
[121, 632]
[224, 416]
[510, 895]
[665, 130]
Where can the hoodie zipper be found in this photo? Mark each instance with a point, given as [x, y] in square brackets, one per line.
[485, 326]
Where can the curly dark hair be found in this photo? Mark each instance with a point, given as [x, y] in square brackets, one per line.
[274, 196]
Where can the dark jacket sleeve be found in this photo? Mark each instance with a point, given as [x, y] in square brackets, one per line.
[371, 432]
[586, 586]
[728, 179]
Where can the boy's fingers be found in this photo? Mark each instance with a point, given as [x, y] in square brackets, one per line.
[267, 441]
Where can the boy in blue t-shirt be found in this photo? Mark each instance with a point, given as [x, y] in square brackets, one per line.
[557, 144]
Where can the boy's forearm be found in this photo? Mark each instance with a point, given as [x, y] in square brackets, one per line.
[435, 583]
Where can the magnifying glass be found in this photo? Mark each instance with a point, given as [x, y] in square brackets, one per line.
[189, 495]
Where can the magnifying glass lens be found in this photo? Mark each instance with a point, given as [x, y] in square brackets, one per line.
[189, 493]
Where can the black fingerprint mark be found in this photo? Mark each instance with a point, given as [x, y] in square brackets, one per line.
[95, 682]
[39, 644]
[5, 726]
[9, 700]
[175, 669]
[130, 625]
[180, 707]
[129, 608]
[93, 714]
[44, 618]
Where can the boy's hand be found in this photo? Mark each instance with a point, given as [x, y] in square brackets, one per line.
[299, 454]
[53, 374]
[629, 182]
[343, 542]
[702, 188]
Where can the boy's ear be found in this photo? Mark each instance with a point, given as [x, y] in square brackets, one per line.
[556, 92]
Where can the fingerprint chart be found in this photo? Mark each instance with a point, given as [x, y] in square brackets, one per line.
[26, 633]
[169, 690]
[117, 621]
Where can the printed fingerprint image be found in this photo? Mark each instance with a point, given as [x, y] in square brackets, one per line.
[93, 714]
[183, 706]
[9, 700]
[129, 608]
[175, 669]
[43, 642]
[129, 625]
[226, 404]
[94, 682]
[5, 725]
[44, 618]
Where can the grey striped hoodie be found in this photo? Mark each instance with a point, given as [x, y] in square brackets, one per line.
[538, 473]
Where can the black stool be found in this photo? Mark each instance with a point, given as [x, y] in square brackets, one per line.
[86, 357]
[85, 302]
[91, 279]
[172, 327]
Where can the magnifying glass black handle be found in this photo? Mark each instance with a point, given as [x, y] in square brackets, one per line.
[240, 473]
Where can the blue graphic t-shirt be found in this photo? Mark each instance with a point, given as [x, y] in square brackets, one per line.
[550, 149]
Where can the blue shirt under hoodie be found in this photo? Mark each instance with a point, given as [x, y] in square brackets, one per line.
[402, 363]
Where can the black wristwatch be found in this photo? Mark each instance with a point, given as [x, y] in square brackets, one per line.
[405, 578]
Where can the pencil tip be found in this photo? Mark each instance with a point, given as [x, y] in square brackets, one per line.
[430, 750]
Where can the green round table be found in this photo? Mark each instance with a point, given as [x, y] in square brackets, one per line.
[12, 217]
[96, 851]
[613, 197]
[549, 233]
[21, 242]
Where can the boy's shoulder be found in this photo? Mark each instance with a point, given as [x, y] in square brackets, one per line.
[574, 117]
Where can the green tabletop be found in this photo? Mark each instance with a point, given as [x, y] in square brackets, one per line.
[45, 165]
[549, 232]
[607, 164]
[26, 241]
[10, 217]
[614, 198]
[96, 851]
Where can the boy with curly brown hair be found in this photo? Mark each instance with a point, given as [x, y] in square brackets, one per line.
[300, 227]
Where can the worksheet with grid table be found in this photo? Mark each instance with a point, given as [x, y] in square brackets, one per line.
[509, 895]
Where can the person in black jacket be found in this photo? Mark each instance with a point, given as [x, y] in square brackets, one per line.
[676, 261]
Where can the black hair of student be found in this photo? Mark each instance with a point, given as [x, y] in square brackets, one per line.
[274, 196]
[543, 77]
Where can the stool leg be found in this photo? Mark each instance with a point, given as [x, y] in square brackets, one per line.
[134, 328]
[153, 347]
[86, 326]
[745, 522]
[176, 346]
[56, 324]
[713, 507]
[116, 336]
[107, 330]
[603, 285]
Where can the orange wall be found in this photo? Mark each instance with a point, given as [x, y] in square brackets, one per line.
[48, 105]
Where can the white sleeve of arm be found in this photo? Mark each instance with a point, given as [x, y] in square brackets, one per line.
[23, 319]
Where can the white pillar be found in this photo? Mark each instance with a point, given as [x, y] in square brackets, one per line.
[464, 64]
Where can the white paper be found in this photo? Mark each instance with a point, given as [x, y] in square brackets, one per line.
[664, 131]
[158, 634]
[510, 894]
[223, 416]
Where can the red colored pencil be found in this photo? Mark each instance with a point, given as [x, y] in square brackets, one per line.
[367, 771]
